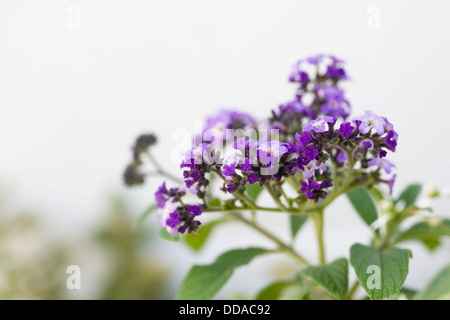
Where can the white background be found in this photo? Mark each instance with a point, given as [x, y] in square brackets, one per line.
[73, 99]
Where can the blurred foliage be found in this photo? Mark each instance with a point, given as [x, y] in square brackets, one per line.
[33, 265]
[30, 266]
[134, 273]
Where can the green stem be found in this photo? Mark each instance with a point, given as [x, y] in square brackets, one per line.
[275, 197]
[295, 183]
[161, 171]
[280, 187]
[283, 246]
[335, 181]
[352, 291]
[256, 208]
[318, 223]
[245, 199]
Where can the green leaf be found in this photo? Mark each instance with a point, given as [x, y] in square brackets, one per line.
[297, 222]
[197, 240]
[167, 236]
[381, 273]
[410, 194]
[144, 215]
[363, 204]
[424, 231]
[376, 193]
[431, 244]
[408, 293]
[203, 282]
[214, 203]
[333, 277]
[253, 190]
[273, 291]
[438, 288]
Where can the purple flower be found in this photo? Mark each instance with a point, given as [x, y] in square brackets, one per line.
[311, 167]
[341, 157]
[299, 76]
[195, 210]
[182, 229]
[305, 139]
[387, 125]
[269, 151]
[200, 154]
[215, 130]
[315, 59]
[231, 188]
[325, 184]
[382, 163]
[335, 103]
[229, 170]
[346, 129]
[382, 153]
[294, 106]
[369, 120]
[252, 178]
[391, 182]
[245, 145]
[318, 125]
[308, 187]
[161, 196]
[164, 214]
[174, 219]
[311, 152]
[336, 72]
[391, 140]
[196, 175]
[246, 166]
[366, 144]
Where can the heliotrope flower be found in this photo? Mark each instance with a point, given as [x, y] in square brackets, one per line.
[308, 187]
[161, 196]
[269, 151]
[335, 104]
[366, 144]
[336, 72]
[383, 163]
[229, 170]
[318, 125]
[195, 210]
[310, 152]
[303, 139]
[163, 214]
[246, 166]
[219, 128]
[252, 178]
[346, 129]
[289, 117]
[369, 120]
[341, 157]
[311, 167]
[313, 137]
[391, 182]
[391, 140]
[173, 220]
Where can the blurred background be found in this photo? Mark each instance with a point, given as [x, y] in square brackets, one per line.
[79, 80]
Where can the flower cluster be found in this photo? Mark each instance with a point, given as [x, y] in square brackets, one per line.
[132, 175]
[316, 149]
[173, 214]
[318, 93]
[220, 127]
[360, 144]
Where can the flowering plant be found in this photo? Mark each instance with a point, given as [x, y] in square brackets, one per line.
[304, 155]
